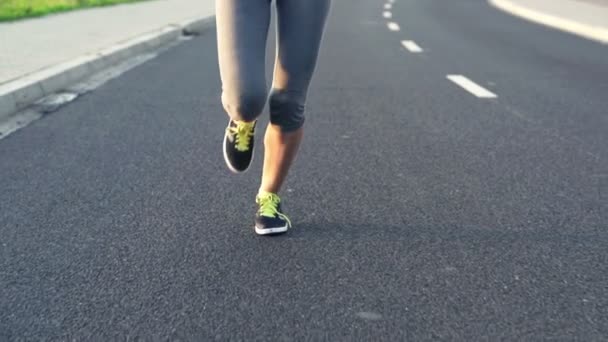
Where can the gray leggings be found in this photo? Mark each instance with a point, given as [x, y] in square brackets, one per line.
[242, 30]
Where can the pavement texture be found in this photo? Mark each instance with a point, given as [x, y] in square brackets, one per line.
[420, 212]
[33, 44]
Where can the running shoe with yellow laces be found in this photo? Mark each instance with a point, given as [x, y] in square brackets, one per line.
[238, 145]
[270, 219]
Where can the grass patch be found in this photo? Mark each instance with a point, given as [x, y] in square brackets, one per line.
[19, 9]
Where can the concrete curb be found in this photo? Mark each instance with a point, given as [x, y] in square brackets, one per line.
[18, 94]
[598, 34]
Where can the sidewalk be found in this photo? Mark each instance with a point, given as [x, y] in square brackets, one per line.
[33, 44]
[586, 18]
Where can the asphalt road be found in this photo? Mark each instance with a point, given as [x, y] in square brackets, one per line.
[421, 211]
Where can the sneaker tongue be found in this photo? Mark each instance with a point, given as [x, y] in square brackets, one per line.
[269, 204]
[268, 212]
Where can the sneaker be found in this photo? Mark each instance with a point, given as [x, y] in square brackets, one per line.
[270, 219]
[238, 145]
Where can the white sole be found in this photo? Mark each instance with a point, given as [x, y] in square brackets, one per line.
[226, 156]
[269, 231]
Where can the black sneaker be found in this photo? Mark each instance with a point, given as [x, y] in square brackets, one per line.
[270, 219]
[238, 145]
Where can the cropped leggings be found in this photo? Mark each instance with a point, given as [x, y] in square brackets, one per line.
[242, 30]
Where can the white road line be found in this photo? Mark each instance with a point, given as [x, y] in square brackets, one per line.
[393, 26]
[588, 31]
[388, 6]
[387, 14]
[411, 46]
[472, 87]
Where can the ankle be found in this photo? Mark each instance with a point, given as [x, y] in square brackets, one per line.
[243, 122]
[264, 191]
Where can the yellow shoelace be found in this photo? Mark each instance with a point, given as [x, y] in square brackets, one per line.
[269, 206]
[242, 134]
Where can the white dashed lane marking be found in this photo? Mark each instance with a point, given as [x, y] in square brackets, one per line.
[472, 87]
[411, 46]
[393, 26]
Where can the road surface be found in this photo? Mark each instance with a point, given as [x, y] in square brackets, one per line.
[422, 210]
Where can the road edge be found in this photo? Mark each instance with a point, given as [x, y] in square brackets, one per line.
[20, 93]
[598, 34]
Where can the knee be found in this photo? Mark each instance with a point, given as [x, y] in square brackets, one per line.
[245, 106]
[287, 110]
